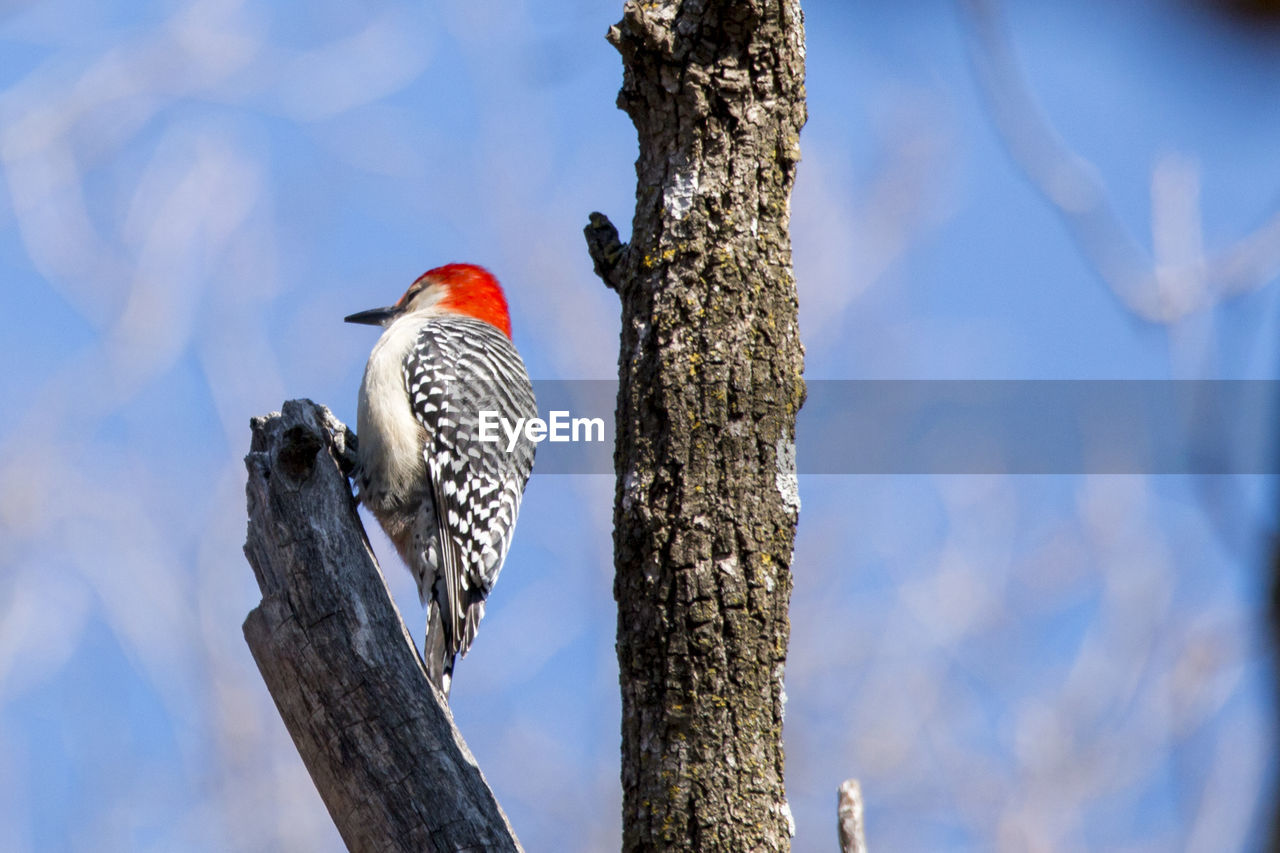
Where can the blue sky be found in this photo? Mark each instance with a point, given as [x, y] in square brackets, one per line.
[192, 196]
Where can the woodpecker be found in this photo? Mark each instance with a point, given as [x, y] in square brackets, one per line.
[447, 499]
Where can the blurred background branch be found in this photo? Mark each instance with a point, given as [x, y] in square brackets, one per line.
[1164, 286]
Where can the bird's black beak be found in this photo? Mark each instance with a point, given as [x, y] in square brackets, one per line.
[374, 316]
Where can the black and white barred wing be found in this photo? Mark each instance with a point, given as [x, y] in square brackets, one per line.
[461, 368]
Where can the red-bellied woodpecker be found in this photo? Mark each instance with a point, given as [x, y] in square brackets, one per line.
[445, 497]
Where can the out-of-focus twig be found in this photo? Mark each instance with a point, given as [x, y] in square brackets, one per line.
[1177, 279]
[1162, 289]
[849, 814]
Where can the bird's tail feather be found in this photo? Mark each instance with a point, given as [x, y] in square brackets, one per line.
[435, 651]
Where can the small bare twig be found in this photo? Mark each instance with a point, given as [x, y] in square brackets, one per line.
[849, 815]
[606, 250]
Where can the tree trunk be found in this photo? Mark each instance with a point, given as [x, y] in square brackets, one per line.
[710, 383]
[376, 738]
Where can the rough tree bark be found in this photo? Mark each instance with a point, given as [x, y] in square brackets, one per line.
[378, 741]
[710, 383]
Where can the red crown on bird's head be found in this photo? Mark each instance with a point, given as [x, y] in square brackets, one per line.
[468, 289]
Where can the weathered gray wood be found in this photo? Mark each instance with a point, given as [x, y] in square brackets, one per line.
[709, 386]
[378, 741]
